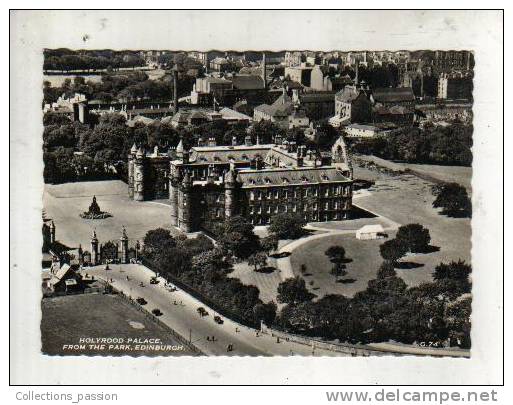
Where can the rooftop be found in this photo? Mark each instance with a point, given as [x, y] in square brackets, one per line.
[290, 176]
[391, 95]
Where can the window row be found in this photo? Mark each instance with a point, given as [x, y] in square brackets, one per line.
[307, 192]
[326, 206]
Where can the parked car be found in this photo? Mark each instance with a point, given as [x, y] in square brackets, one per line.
[202, 311]
[141, 301]
[156, 312]
[218, 320]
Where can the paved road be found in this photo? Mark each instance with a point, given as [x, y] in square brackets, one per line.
[184, 319]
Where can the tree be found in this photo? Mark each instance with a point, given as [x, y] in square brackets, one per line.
[453, 271]
[211, 264]
[258, 259]
[457, 317]
[109, 250]
[415, 237]
[287, 226]
[386, 270]
[265, 312]
[237, 237]
[157, 240]
[293, 291]
[453, 199]
[265, 131]
[338, 270]
[392, 250]
[269, 243]
[336, 253]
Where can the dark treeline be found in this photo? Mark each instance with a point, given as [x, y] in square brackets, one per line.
[449, 145]
[76, 152]
[65, 60]
[120, 87]
[430, 313]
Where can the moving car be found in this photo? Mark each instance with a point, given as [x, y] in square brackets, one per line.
[202, 311]
[156, 312]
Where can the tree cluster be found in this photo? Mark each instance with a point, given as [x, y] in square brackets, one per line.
[204, 268]
[386, 310]
[65, 60]
[103, 149]
[449, 145]
[287, 226]
[411, 238]
[119, 86]
[453, 199]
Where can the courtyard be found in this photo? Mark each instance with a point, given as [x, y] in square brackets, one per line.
[65, 320]
[64, 202]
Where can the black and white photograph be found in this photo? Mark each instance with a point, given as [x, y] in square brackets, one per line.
[201, 200]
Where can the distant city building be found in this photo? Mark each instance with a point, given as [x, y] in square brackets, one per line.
[450, 60]
[361, 131]
[301, 74]
[351, 105]
[454, 87]
[325, 80]
[293, 58]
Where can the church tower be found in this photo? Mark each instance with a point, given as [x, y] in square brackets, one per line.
[139, 175]
[131, 157]
[123, 245]
[230, 183]
[94, 249]
[184, 203]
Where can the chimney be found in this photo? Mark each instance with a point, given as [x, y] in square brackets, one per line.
[264, 71]
[185, 156]
[259, 163]
[299, 156]
[175, 88]
[211, 174]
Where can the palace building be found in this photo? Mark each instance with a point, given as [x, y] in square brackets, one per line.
[207, 184]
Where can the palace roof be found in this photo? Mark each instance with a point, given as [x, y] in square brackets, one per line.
[293, 176]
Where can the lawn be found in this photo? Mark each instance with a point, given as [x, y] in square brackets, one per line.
[67, 319]
[363, 263]
[400, 198]
[64, 202]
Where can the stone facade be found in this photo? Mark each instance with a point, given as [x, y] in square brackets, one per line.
[207, 185]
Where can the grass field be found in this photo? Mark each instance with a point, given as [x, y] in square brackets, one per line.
[65, 320]
[403, 199]
[364, 261]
